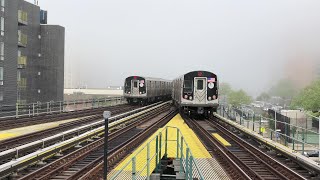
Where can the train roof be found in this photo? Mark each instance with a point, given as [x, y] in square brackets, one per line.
[151, 78]
[191, 72]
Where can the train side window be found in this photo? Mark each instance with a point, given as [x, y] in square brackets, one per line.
[200, 84]
[135, 84]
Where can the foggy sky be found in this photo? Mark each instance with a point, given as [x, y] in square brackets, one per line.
[247, 43]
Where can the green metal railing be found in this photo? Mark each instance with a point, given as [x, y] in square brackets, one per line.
[148, 158]
[299, 134]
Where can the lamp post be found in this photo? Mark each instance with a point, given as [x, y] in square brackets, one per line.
[106, 116]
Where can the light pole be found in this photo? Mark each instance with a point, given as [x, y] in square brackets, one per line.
[106, 116]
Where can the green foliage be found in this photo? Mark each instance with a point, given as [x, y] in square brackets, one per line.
[284, 88]
[236, 98]
[263, 97]
[309, 98]
[224, 89]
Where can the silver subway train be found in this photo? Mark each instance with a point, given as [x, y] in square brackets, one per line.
[145, 90]
[196, 92]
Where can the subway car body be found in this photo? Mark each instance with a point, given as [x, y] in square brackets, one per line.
[145, 90]
[196, 92]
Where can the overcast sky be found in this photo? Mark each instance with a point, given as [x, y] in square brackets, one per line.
[247, 43]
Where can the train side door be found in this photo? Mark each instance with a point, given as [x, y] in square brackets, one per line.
[200, 90]
[135, 87]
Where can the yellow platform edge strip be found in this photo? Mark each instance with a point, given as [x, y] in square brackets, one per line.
[221, 139]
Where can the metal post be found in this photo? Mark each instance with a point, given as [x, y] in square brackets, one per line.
[241, 116]
[303, 141]
[253, 122]
[157, 153]
[293, 140]
[187, 161]
[285, 134]
[17, 110]
[60, 106]
[223, 111]
[148, 161]
[134, 168]
[166, 144]
[181, 154]
[190, 167]
[48, 107]
[275, 120]
[32, 109]
[160, 147]
[260, 132]
[106, 116]
[177, 143]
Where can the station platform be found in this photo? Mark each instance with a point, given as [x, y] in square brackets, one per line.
[11, 133]
[208, 165]
[279, 147]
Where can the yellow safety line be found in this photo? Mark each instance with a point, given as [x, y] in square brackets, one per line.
[221, 139]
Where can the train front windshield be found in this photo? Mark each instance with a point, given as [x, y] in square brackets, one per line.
[187, 87]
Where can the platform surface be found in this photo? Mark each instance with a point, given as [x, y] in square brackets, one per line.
[11, 133]
[209, 167]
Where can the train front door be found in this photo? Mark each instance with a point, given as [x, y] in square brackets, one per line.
[200, 90]
[135, 87]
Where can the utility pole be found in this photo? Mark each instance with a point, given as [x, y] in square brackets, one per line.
[106, 116]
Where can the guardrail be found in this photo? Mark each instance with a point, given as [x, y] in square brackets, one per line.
[148, 157]
[290, 132]
[34, 109]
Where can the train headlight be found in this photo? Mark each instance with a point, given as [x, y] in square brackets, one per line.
[129, 92]
[140, 92]
[214, 97]
[186, 96]
[209, 98]
[190, 98]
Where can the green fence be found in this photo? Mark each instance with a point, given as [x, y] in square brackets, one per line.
[299, 136]
[147, 160]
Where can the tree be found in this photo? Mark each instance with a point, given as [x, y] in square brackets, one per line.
[263, 97]
[224, 89]
[237, 98]
[284, 89]
[309, 98]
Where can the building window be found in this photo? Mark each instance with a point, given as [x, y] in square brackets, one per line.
[1, 75]
[1, 96]
[2, 26]
[39, 54]
[39, 73]
[2, 51]
[2, 5]
[39, 91]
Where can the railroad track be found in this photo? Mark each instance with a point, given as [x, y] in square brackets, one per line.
[26, 149]
[51, 117]
[117, 154]
[248, 162]
[77, 163]
[20, 140]
[290, 163]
